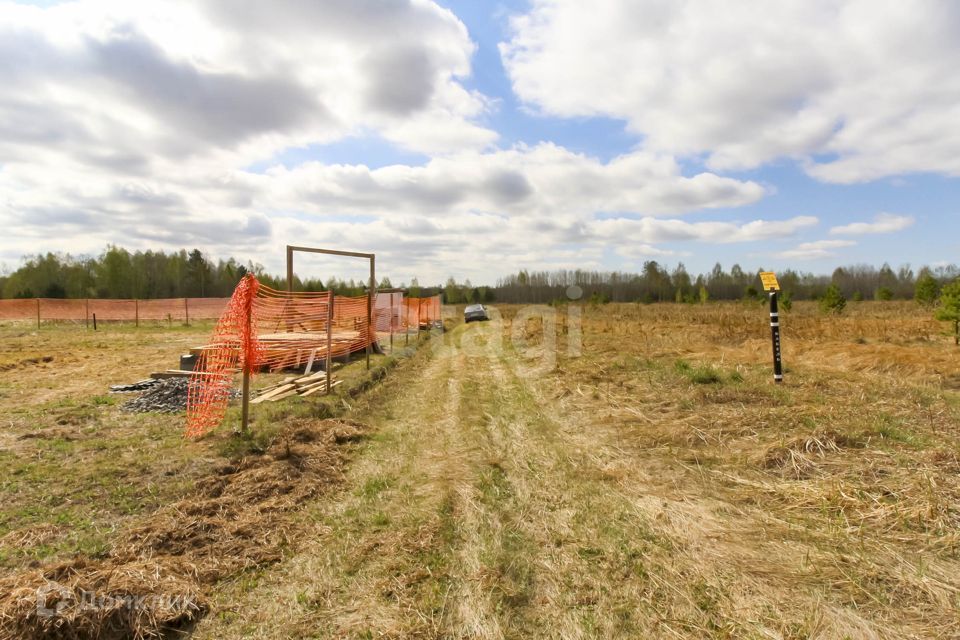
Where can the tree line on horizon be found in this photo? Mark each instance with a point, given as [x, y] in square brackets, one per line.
[121, 274]
[658, 284]
[118, 273]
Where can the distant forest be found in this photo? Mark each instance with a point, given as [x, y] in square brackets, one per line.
[656, 283]
[118, 273]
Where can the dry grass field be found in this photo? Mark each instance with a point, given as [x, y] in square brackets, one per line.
[652, 481]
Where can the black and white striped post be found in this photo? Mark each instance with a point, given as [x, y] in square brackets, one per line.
[771, 285]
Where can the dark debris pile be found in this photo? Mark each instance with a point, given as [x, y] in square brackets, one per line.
[164, 396]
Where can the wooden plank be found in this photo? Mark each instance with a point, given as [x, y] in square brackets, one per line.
[285, 394]
[313, 390]
[310, 379]
[281, 389]
[320, 383]
[179, 373]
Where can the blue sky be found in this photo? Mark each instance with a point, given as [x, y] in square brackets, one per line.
[510, 135]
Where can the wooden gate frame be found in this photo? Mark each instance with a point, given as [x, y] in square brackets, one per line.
[371, 291]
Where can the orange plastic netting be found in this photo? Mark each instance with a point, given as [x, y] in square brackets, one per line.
[421, 312]
[234, 347]
[83, 310]
[263, 328]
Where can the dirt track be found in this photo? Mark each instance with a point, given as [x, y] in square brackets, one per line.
[491, 503]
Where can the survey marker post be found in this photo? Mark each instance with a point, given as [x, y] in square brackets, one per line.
[771, 286]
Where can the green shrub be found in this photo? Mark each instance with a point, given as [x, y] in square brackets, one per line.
[884, 293]
[833, 300]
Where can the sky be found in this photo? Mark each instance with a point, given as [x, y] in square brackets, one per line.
[473, 139]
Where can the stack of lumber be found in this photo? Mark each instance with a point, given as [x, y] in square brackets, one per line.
[295, 385]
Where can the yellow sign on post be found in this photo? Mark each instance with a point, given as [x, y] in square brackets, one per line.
[769, 280]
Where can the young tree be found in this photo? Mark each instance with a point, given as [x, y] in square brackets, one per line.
[833, 300]
[949, 309]
[704, 294]
[451, 292]
[927, 289]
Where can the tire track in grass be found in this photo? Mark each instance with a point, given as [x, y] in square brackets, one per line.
[379, 566]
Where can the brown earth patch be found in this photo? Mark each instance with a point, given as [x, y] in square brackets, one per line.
[158, 575]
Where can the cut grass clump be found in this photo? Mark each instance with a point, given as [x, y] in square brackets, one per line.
[802, 457]
[702, 374]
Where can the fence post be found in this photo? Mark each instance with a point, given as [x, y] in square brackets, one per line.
[247, 365]
[38, 313]
[186, 311]
[329, 360]
[371, 330]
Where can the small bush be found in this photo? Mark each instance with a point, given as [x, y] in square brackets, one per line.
[884, 294]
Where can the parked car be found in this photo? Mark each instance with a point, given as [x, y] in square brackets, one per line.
[475, 312]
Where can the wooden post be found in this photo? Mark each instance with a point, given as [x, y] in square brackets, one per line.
[245, 414]
[38, 313]
[289, 269]
[94, 322]
[329, 361]
[186, 311]
[371, 330]
[136, 312]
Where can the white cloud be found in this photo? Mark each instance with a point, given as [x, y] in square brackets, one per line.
[654, 230]
[816, 250]
[882, 223]
[854, 89]
[544, 180]
[494, 210]
[230, 82]
[136, 124]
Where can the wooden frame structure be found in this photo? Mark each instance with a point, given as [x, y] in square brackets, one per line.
[291, 249]
[371, 290]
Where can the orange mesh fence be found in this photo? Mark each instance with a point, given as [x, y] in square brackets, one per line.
[234, 346]
[58, 309]
[18, 309]
[80, 310]
[286, 330]
[421, 312]
[389, 311]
